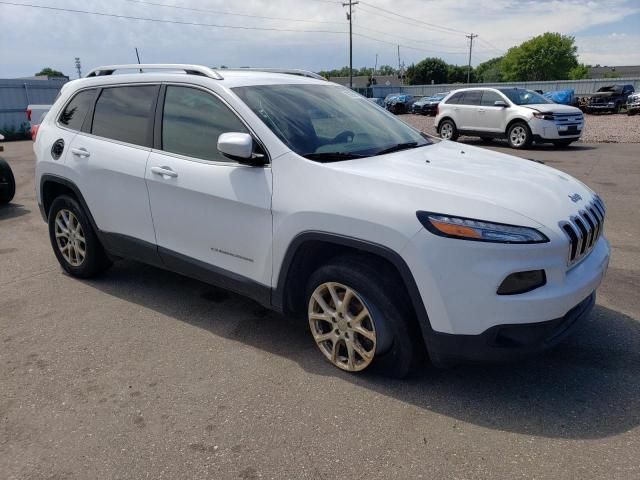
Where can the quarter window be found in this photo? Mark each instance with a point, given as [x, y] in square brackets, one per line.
[192, 121]
[76, 110]
[125, 113]
[489, 97]
[455, 98]
[471, 97]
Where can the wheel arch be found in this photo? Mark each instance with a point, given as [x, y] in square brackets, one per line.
[52, 186]
[516, 120]
[442, 120]
[305, 254]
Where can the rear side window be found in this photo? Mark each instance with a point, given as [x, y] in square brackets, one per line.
[489, 97]
[192, 121]
[125, 113]
[76, 110]
[471, 97]
[455, 98]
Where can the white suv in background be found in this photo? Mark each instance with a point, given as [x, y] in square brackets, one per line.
[304, 196]
[519, 115]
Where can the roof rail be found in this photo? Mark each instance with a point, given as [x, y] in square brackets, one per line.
[188, 69]
[288, 71]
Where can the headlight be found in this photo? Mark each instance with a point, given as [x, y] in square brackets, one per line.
[543, 115]
[478, 230]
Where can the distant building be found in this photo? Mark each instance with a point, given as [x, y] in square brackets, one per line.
[362, 81]
[614, 72]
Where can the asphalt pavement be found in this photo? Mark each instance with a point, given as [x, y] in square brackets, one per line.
[146, 374]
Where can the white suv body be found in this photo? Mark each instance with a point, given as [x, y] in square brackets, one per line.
[470, 253]
[519, 115]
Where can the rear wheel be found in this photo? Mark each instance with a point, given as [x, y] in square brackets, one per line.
[74, 242]
[519, 135]
[448, 130]
[7, 183]
[358, 322]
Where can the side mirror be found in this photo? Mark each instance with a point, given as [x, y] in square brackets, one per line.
[239, 147]
[500, 103]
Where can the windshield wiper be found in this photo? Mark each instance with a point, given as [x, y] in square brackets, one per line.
[398, 147]
[332, 156]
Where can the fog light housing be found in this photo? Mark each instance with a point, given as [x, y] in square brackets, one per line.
[522, 282]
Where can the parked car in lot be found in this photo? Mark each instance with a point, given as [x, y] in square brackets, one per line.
[633, 104]
[400, 103]
[306, 197]
[611, 98]
[428, 105]
[519, 115]
[7, 181]
[377, 101]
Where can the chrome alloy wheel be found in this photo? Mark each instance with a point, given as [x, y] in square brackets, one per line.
[518, 136]
[342, 326]
[446, 131]
[70, 238]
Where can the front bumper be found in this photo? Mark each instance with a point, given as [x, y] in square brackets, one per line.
[508, 342]
[458, 282]
[547, 130]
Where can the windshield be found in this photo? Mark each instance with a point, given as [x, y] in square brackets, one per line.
[328, 122]
[520, 96]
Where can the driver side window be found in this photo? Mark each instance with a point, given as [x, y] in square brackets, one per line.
[192, 121]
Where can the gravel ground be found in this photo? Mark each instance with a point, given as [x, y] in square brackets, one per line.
[599, 128]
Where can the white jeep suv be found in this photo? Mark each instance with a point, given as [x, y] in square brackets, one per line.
[306, 197]
[521, 116]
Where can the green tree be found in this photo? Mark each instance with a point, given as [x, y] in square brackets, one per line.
[579, 72]
[386, 70]
[549, 56]
[458, 74]
[489, 71]
[611, 74]
[429, 70]
[49, 72]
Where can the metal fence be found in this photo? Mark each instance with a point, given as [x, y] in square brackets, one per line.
[581, 87]
[16, 94]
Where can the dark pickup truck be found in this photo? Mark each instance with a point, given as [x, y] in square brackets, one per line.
[611, 98]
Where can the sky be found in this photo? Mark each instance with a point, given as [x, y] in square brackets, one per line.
[308, 34]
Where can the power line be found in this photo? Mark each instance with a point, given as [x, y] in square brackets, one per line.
[403, 46]
[220, 12]
[432, 25]
[176, 22]
[428, 42]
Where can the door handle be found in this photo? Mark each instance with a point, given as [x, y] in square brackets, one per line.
[80, 152]
[164, 171]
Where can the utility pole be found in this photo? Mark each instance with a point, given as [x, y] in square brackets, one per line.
[471, 36]
[400, 68]
[350, 17]
[78, 67]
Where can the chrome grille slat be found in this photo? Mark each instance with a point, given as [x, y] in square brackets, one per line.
[583, 230]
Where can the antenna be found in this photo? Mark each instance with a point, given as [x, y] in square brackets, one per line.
[138, 56]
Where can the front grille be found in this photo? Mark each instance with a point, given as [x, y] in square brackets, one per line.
[583, 230]
[566, 119]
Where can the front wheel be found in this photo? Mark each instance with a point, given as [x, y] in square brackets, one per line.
[357, 322]
[519, 136]
[74, 242]
[7, 183]
[448, 130]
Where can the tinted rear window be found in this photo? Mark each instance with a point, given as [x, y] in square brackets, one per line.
[455, 98]
[471, 97]
[76, 110]
[489, 97]
[124, 114]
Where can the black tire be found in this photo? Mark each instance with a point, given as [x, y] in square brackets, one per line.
[448, 123]
[399, 347]
[7, 183]
[519, 135]
[95, 260]
[562, 143]
[631, 113]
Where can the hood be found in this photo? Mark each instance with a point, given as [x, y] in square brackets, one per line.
[470, 181]
[554, 108]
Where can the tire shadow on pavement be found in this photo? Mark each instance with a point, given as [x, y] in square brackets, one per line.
[586, 388]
